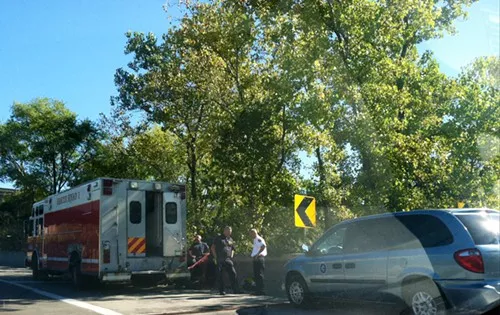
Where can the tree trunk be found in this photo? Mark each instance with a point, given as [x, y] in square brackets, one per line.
[324, 203]
[54, 176]
[192, 170]
[192, 166]
[321, 186]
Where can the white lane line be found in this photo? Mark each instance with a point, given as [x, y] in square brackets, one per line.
[17, 270]
[96, 309]
[39, 282]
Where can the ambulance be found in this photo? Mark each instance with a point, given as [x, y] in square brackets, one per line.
[111, 230]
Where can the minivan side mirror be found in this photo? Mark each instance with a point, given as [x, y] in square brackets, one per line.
[305, 248]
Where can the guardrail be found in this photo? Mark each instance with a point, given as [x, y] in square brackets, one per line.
[12, 259]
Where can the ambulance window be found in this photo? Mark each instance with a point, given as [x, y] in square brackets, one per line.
[41, 226]
[135, 212]
[29, 227]
[171, 212]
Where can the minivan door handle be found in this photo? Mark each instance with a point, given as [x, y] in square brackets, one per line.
[337, 266]
[350, 266]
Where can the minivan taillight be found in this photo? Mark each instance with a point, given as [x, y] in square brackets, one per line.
[470, 259]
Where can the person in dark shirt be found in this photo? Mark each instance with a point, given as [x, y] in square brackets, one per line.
[197, 253]
[199, 249]
[223, 252]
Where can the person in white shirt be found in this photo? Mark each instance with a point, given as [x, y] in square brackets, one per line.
[259, 253]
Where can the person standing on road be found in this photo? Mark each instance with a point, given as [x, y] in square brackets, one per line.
[198, 252]
[259, 253]
[223, 252]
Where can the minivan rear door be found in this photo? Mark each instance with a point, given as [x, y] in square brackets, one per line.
[484, 227]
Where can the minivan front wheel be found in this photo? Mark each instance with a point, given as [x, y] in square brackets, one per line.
[297, 291]
[423, 298]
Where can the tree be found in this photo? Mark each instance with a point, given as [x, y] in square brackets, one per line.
[150, 155]
[14, 210]
[391, 98]
[169, 83]
[43, 145]
[472, 130]
[267, 80]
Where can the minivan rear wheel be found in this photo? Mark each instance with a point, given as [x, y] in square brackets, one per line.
[297, 291]
[423, 298]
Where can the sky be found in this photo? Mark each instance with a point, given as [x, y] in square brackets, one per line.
[70, 49]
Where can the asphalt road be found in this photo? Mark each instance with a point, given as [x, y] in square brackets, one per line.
[20, 295]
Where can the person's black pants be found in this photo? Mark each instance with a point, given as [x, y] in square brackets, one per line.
[258, 273]
[198, 273]
[228, 266]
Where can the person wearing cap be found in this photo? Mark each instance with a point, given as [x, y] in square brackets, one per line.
[197, 253]
[259, 252]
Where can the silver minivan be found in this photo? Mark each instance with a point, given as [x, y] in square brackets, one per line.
[435, 261]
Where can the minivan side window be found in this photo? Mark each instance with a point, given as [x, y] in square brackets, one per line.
[429, 230]
[331, 243]
[484, 227]
[367, 236]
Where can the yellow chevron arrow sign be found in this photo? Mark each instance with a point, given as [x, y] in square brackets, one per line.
[305, 211]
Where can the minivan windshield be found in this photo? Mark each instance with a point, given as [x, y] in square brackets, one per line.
[484, 227]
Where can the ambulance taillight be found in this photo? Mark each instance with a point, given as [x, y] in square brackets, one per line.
[106, 252]
[107, 187]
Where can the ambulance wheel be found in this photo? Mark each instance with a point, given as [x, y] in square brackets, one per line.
[35, 271]
[76, 276]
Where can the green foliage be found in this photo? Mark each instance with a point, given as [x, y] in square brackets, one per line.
[14, 210]
[150, 155]
[43, 145]
[472, 128]
[340, 81]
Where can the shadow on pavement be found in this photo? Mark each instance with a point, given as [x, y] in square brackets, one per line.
[323, 309]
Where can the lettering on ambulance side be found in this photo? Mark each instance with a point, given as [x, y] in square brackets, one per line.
[68, 198]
